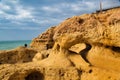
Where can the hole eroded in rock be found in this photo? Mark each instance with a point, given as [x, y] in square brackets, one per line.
[81, 21]
[47, 55]
[35, 76]
[116, 49]
[90, 71]
[84, 52]
[61, 73]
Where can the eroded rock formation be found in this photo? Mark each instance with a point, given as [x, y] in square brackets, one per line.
[44, 41]
[18, 55]
[83, 47]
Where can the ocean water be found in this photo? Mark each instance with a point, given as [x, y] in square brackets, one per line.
[7, 45]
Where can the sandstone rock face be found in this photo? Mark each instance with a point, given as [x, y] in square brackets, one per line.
[41, 55]
[18, 55]
[85, 47]
[30, 71]
[44, 41]
[96, 24]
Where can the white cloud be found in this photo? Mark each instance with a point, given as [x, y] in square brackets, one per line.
[18, 11]
[58, 12]
[16, 22]
[47, 21]
[70, 7]
[51, 9]
[90, 5]
[22, 28]
[10, 1]
[1, 12]
[22, 13]
[110, 3]
[75, 7]
[13, 13]
[51, 14]
[30, 28]
[4, 7]
[40, 21]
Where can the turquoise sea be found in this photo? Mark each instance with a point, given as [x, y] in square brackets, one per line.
[7, 45]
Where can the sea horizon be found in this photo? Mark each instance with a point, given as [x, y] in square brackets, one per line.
[17, 40]
[11, 44]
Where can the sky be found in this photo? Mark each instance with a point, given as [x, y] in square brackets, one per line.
[26, 19]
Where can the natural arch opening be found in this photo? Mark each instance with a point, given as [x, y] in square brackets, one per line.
[84, 52]
[35, 76]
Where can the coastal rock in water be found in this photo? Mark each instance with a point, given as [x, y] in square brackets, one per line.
[84, 47]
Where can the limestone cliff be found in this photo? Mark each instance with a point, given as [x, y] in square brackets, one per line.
[83, 47]
[44, 40]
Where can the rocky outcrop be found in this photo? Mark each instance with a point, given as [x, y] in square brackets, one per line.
[44, 41]
[33, 71]
[41, 55]
[18, 55]
[85, 47]
[98, 22]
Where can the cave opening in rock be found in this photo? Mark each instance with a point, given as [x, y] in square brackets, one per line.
[35, 76]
